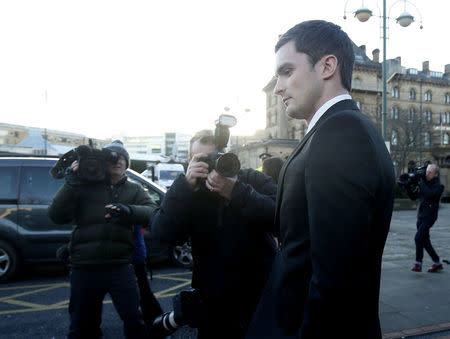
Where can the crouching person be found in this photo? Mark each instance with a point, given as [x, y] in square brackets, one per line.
[101, 244]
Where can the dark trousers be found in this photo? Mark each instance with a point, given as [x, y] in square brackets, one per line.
[149, 305]
[87, 291]
[422, 240]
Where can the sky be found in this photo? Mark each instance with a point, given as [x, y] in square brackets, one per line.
[139, 68]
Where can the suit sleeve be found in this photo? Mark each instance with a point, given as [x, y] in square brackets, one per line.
[341, 174]
[254, 195]
[170, 222]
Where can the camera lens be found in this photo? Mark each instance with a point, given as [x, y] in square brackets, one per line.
[228, 165]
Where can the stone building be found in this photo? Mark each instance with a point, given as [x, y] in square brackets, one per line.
[418, 111]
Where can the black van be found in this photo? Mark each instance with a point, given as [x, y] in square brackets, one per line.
[27, 235]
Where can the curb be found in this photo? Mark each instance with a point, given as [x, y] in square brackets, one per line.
[417, 331]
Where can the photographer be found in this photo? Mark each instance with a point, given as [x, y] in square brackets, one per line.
[104, 212]
[226, 219]
[429, 191]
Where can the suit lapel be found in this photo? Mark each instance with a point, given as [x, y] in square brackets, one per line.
[339, 106]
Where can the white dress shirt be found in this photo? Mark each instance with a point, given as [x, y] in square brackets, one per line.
[325, 107]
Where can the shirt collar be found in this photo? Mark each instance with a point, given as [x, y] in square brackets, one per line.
[325, 108]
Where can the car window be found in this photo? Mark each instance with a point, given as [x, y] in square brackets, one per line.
[8, 180]
[153, 194]
[37, 186]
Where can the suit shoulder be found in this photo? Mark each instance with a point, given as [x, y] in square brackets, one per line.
[348, 122]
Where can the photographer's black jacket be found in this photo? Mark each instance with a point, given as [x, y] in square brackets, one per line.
[96, 241]
[231, 249]
[429, 194]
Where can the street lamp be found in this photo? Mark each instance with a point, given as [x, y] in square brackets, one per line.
[405, 19]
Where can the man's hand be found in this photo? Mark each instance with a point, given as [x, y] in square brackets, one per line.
[220, 184]
[117, 210]
[71, 175]
[196, 169]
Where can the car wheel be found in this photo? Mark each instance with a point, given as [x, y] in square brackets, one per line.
[182, 255]
[9, 261]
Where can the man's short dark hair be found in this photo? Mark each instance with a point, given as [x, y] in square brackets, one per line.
[205, 137]
[317, 38]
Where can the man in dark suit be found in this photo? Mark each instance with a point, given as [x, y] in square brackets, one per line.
[334, 201]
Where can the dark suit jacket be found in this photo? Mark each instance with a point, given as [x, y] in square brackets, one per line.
[334, 208]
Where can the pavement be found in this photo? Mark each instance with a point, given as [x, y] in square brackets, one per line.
[415, 305]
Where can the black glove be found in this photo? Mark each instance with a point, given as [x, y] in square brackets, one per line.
[121, 211]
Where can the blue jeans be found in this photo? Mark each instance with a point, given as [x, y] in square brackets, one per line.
[87, 291]
[422, 240]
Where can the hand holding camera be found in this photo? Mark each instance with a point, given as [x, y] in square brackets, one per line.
[220, 184]
[196, 169]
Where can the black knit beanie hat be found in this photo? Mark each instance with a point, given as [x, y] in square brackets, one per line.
[117, 146]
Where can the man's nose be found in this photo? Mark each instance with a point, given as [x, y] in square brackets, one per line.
[279, 88]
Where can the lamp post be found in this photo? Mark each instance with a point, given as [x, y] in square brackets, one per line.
[405, 19]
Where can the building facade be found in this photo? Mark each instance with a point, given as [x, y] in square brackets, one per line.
[41, 141]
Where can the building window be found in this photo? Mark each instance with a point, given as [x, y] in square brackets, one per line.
[427, 139]
[446, 138]
[411, 139]
[411, 115]
[427, 96]
[394, 113]
[395, 92]
[358, 104]
[446, 118]
[427, 117]
[394, 138]
[447, 98]
[378, 112]
[412, 94]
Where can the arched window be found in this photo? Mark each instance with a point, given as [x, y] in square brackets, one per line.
[411, 114]
[395, 92]
[427, 96]
[378, 112]
[394, 138]
[411, 139]
[412, 94]
[394, 113]
[427, 117]
[447, 98]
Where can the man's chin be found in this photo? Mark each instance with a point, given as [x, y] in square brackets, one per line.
[293, 113]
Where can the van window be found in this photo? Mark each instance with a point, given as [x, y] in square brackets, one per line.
[37, 186]
[8, 183]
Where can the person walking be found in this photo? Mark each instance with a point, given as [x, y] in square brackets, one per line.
[334, 202]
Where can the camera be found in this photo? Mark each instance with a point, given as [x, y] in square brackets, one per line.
[186, 311]
[412, 177]
[226, 164]
[92, 163]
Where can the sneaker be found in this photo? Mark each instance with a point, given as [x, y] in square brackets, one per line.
[417, 268]
[435, 268]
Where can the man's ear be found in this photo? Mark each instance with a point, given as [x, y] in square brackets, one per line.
[329, 65]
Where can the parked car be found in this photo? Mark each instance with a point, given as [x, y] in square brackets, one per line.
[27, 235]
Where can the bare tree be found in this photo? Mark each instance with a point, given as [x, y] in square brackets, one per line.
[410, 134]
